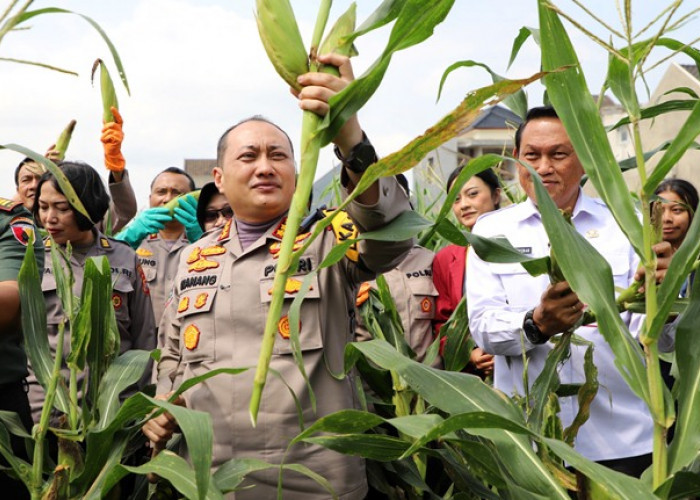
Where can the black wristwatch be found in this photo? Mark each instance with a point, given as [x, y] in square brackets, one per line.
[532, 333]
[361, 156]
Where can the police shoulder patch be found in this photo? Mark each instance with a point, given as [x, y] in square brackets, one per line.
[344, 229]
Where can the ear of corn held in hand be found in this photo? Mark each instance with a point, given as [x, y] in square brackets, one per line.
[64, 139]
[109, 95]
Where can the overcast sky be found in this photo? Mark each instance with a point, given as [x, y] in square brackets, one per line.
[196, 67]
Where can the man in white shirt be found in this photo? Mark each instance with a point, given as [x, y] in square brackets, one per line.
[509, 310]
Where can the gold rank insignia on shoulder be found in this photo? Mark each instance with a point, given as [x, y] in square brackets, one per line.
[279, 230]
[362, 294]
[201, 300]
[194, 255]
[226, 231]
[344, 229]
[104, 243]
[191, 336]
[426, 305]
[213, 250]
[283, 327]
[142, 252]
[291, 286]
[153, 236]
[8, 205]
[183, 305]
[116, 301]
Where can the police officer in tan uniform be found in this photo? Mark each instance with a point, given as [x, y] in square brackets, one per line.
[223, 290]
[159, 237]
[411, 286]
[130, 293]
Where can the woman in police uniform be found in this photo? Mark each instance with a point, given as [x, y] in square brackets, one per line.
[64, 224]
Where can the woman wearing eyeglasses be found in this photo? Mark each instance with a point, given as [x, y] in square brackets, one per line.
[212, 209]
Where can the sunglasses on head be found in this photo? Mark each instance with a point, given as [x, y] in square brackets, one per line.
[212, 215]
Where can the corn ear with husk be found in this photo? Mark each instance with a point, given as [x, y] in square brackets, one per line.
[64, 139]
[338, 39]
[281, 38]
[109, 95]
[172, 204]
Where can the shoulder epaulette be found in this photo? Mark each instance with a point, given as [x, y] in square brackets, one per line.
[344, 229]
[8, 205]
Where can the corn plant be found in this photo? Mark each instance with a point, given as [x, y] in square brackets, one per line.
[467, 406]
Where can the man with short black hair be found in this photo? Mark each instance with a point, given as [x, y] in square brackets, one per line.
[509, 310]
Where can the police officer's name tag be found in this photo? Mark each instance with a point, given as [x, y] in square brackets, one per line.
[524, 250]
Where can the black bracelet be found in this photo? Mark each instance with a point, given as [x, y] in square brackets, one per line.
[361, 156]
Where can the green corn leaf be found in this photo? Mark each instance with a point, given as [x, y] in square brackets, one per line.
[686, 440]
[595, 288]
[371, 446]
[516, 102]
[344, 421]
[585, 394]
[63, 182]
[115, 55]
[36, 337]
[519, 40]
[21, 468]
[125, 371]
[415, 426]
[614, 485]
[39, 64]
[680, 486]
[500, 250]
[176, 470]
[571, 98]
[459, 344]
[461, 393]
[683, 140]
[658, 109]
[547, 381]
[387, 11]
[447, 230]
[415, 22]
[621, 84]
[110, 471]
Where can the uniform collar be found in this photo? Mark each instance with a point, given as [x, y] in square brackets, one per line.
[584, 205]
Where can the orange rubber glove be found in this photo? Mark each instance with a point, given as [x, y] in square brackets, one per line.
[112, 137]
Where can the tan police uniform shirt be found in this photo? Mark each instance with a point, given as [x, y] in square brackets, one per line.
[411, 286]
[130, 298]
[159, 259]
[216, 319]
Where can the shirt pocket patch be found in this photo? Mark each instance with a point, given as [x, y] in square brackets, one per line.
[423, 297]
[197, 326]
[309, 318]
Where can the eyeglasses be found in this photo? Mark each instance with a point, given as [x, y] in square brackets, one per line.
[212, 215]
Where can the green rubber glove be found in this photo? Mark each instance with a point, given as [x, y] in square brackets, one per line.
[186, 214]
[147, 222]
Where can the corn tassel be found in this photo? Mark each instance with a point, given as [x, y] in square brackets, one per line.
[280, 36]
[310, 148]
[64, 139]
[109, 95]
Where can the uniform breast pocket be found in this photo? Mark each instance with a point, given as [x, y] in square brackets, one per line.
[150, 272]
[197, 332]
[423, 296]
[309, 319]
[512, 277]
[120, 299]
[620, 266]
